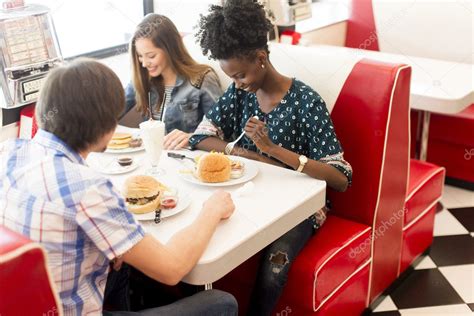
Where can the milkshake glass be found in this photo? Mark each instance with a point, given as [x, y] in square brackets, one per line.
[153, 133]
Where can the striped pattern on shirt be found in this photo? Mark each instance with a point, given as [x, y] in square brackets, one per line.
[48, 194]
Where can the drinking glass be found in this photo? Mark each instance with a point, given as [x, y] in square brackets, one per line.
[153, 133]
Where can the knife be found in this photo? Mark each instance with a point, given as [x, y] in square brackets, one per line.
[179, 156]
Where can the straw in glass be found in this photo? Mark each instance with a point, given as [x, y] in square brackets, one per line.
[162, 107]
[149, 106]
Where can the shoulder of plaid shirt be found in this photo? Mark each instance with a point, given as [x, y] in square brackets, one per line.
[50, 195]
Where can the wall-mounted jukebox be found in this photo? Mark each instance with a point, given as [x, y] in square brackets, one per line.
[29, 49]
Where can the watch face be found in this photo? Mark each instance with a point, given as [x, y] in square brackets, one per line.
[303, 159]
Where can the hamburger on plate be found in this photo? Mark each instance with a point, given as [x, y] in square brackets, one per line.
[142, 194]
[213, 168]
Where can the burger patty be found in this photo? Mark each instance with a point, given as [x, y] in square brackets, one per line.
[143, 200]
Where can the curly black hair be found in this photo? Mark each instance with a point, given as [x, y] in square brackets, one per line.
[237, 29]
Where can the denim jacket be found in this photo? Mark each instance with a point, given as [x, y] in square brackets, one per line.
[189, 101]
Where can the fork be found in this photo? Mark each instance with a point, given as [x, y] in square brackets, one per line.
[157, 219]
[230, 146]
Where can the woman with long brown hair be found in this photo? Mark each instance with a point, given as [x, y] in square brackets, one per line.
[164, 75]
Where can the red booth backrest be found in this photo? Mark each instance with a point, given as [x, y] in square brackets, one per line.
[361, 26]
[373, 129]
[26, 287]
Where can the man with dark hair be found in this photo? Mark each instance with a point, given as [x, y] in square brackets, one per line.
[48, 193]
[80, 103]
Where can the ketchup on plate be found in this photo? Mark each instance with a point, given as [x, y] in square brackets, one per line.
[168, 203]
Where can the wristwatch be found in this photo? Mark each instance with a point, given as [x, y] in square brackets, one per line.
[303, 160]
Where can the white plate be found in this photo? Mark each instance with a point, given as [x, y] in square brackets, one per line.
[110, 165]
[184, 200]
[250, 171]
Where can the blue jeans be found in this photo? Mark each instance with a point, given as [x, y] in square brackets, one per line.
[205, 303]
[273, 270]
[213, 302]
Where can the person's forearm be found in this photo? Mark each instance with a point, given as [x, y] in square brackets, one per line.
[212, 143]
[318, 170]
[169, 263]
[258, 157]
[189, 244]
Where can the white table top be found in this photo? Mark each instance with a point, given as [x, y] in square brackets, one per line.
[280, 200]
[437, 86]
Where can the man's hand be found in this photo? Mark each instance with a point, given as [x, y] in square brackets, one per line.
[176, 140]
[220, 203]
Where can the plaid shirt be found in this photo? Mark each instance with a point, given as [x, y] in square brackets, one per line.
[48, 194]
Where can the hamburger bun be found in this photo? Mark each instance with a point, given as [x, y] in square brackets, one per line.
[213, 168]
[142, 194]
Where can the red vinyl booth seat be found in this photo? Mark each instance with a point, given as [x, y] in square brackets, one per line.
[425, 188]
[333, 258]
[451, 144]
[371, 118]
[26, 287]
[370, 114]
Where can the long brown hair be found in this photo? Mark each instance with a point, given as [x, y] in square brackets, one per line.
[164, 35]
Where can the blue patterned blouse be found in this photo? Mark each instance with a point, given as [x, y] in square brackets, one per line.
[300, 123]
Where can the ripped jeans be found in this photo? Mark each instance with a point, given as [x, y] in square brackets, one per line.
[273, 270]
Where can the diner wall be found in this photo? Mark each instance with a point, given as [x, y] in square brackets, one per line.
[450, 22]
[334, 35]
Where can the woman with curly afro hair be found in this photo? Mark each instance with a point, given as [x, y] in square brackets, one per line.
[285, 122]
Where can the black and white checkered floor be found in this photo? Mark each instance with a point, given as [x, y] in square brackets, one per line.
[442, 283]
